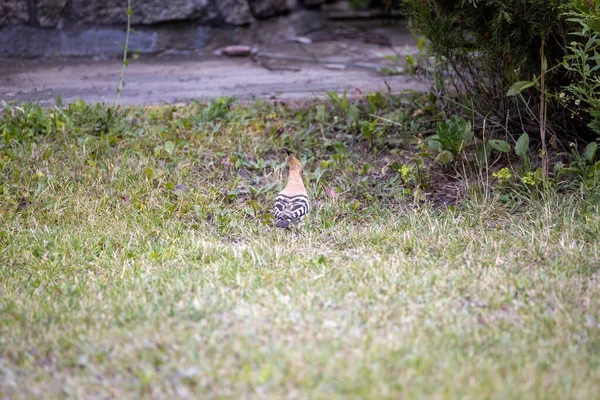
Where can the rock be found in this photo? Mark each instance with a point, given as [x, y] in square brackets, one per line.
[235, 12]
[210, 15]
[49, 11]
[104, 42]
[300, 39]
[13, 12]
[338, 67]
[280, 30]
[145, 12]
[237, 51]
[180, 38]
[269, 8]
[100, 42]
[27, 41]
[306, 21]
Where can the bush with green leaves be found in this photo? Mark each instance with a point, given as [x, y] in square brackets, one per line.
[532, 49]
[583, 64]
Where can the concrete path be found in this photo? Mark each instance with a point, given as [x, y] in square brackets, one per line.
[290, 71]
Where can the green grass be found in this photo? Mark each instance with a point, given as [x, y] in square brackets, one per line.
[136, 259]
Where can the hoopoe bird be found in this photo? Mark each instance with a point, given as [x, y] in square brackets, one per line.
[291, 204]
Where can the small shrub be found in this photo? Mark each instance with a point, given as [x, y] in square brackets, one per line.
[485, 49]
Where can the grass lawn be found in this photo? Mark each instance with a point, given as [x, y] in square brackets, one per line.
[137, 260]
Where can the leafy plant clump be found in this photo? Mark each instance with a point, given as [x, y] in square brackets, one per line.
[450, 138]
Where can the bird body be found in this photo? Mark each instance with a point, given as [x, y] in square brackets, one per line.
[291, 204]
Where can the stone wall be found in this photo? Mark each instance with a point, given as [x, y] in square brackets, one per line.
[96, 28]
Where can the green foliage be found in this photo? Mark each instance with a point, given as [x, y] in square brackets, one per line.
[378, 118]
[370, 131]
[518, 87]
[20, 123]
[340, 102]
[28, 121]
[522, 145]
[489, 56]
[584, 165]
[498, 145]
[521, 150]
[583, 62]
[349, 112]
[450, 138]
[533, 178]
[216, 109]
[503, 175]
[376, 102]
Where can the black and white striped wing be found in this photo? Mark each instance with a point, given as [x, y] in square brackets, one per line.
[290, 209]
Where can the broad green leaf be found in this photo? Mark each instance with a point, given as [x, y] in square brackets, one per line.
[435, 145]
[518, 87]
[522, 145]
[589, 153]
[499, 145]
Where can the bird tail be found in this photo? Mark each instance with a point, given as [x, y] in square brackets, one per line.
[282, 223]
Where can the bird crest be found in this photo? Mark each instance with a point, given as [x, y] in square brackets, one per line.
[294, 163]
